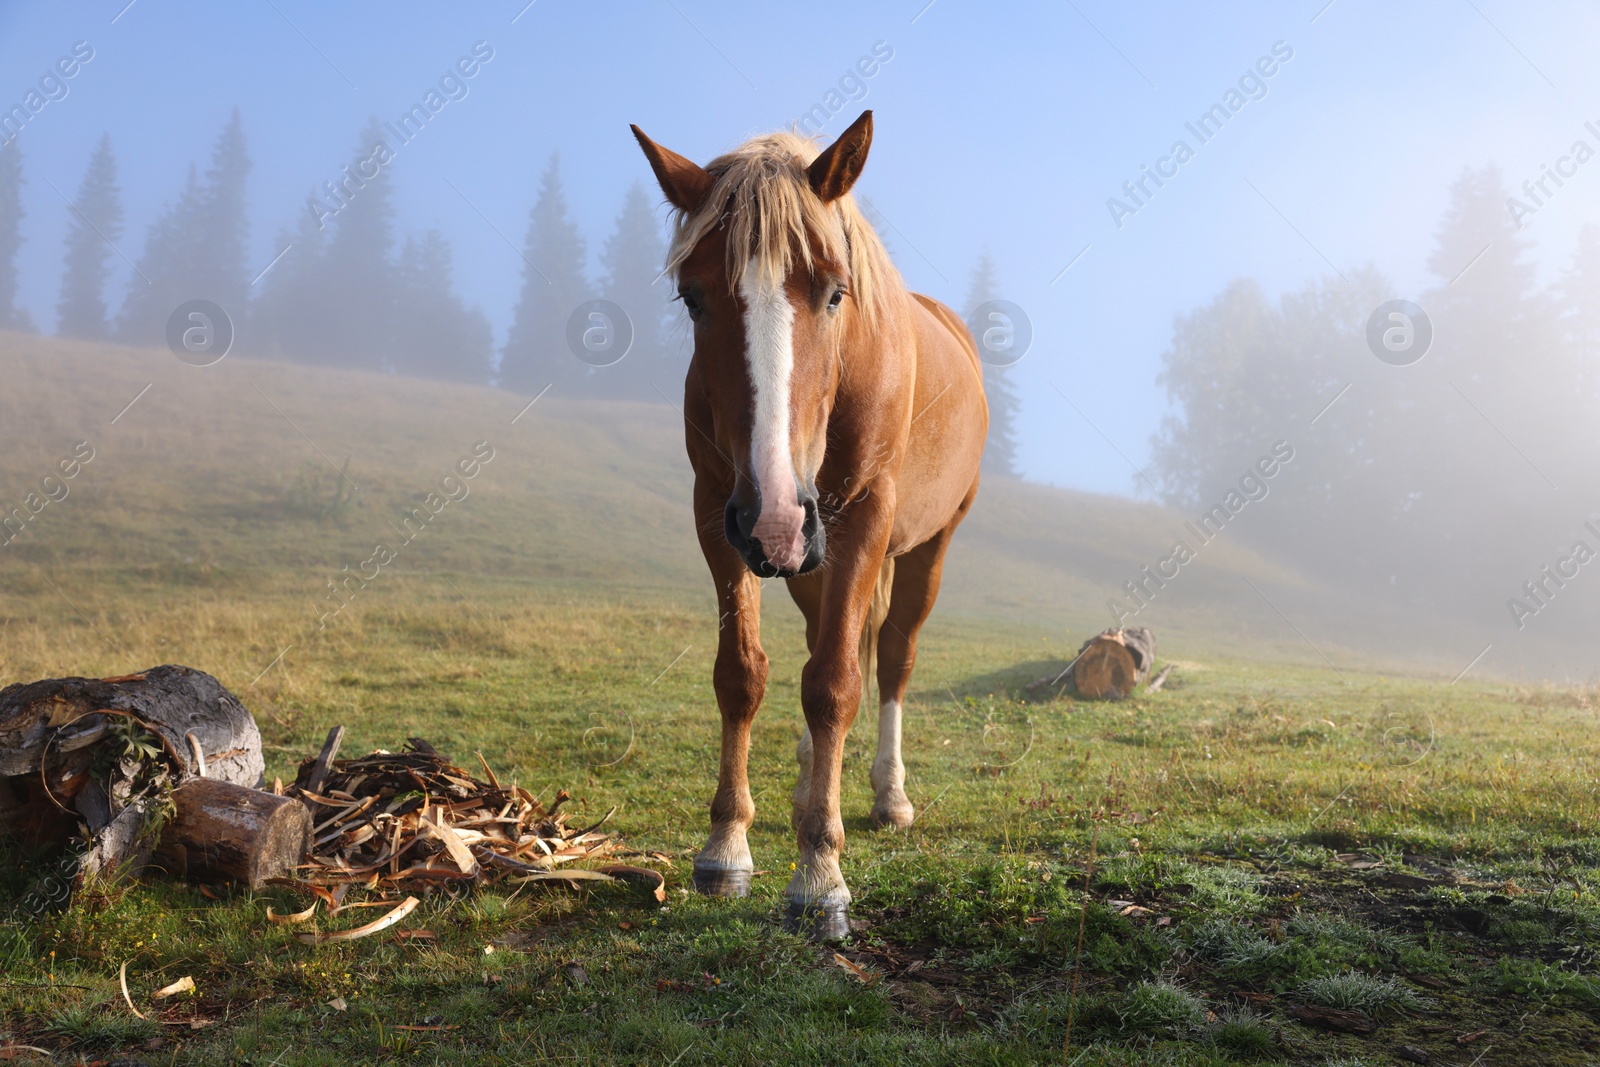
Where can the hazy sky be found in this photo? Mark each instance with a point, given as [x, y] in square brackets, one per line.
[998, 126]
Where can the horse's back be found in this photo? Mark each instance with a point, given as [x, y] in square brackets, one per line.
[950, 420]
[952, 323]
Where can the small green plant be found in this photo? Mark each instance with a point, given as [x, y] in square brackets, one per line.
[1227, 889]
[1161, 1008]
[1354, 991]
[129, 739]
[321, 497]
[89, 1028]
[1243, 1033]
[1531, 978]
[1231, 944]
[1336, 930]
[131, 764]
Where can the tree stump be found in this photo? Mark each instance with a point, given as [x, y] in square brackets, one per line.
[223, 831]
[110, 752]
[1111, 665]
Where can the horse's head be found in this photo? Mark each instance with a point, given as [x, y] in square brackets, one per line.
[775, 265]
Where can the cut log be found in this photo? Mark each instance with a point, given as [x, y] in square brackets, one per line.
[223, 831]
[64, 715]
[1349, 1022]
[104, 752]
[1111, 665]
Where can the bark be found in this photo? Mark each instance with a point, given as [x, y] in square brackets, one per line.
[223, 831]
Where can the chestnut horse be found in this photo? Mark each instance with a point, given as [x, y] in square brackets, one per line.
[834, 422]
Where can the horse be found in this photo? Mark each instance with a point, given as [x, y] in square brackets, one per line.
[834, 422]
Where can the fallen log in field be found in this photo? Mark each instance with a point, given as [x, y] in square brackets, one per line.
[1112, 664]
[219, 831]
[165, 755]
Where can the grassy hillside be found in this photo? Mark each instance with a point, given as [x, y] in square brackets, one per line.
[229, 477]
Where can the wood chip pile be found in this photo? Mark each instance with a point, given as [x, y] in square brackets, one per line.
[412, 819]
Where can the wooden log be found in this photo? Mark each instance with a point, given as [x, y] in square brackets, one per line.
[1112, 664]
[62, 715]
[53, 733]
[223, 831]
[121, 846]
[25, 814]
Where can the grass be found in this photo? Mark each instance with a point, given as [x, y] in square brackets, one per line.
[1366, 993]
[1211, 813]
[1215, 812]
[1242, 1034]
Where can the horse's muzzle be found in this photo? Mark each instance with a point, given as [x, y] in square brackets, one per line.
[739, 522]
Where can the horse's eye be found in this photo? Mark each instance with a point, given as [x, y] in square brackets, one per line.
[835, 300]
[691, 305]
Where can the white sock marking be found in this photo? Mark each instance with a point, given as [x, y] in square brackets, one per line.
[887, 770]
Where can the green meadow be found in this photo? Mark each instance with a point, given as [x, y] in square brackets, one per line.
[1205, 875]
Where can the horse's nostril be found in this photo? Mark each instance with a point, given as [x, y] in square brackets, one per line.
[740, 521]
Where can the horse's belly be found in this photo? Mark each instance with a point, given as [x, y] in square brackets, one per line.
[938, 472]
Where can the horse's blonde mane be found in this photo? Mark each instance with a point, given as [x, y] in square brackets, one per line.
[763, 196]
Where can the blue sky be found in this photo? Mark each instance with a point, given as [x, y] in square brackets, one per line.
[999, 126]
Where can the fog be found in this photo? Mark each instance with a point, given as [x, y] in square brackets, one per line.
[1323, 278]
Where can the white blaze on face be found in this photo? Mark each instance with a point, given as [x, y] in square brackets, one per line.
[769, 351]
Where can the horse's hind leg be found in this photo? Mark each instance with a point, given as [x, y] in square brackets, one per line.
[916, 585]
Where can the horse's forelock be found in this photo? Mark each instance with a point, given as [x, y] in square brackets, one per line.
[764, 198]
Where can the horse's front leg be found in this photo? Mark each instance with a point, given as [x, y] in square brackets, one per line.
[723, 868]
[830, 692]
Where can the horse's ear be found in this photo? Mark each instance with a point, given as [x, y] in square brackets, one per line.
[685, 183]
[836, 170]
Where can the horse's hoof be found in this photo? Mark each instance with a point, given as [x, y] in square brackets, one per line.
[893, 816]
[818, 921]
[721, 881]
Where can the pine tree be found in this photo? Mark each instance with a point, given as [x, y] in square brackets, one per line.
[196, 248]
[96, 223]
[437, 335]
[11, 316]
[1499, 340]
[1000, 451]
[1579, 290]
[553, 285]
[356, 296]
[284, 319]
[1486, 300]
[223, 256]
[166, 275]
[633, 280]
